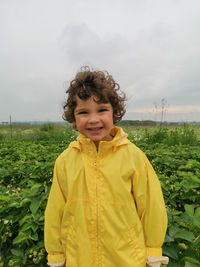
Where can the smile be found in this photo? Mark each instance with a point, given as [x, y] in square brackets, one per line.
[95, 129]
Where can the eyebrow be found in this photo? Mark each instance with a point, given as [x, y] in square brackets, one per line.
[103, 105]
[80, 109]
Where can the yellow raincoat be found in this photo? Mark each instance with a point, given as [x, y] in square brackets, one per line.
[105, 207]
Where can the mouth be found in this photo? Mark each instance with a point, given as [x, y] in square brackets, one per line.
[96, 129]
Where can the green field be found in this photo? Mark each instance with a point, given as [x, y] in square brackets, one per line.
[26, 165]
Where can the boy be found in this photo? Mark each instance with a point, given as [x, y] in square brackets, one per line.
[105, 207]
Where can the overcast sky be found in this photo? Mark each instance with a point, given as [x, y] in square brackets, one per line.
[150, 47]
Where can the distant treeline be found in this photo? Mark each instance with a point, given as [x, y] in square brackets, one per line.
[121, 123]
[153, 123]
[136, 123]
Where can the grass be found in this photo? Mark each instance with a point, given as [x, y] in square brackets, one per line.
[185, 135]
[182, 135]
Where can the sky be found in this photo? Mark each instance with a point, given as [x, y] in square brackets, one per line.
[150, 47]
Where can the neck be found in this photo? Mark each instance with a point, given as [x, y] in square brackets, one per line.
[110, 137]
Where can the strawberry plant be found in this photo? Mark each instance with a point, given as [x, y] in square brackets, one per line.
[26, 166]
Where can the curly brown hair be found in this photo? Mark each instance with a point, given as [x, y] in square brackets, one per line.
[100, 84]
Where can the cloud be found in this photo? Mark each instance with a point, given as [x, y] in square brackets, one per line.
[81, 45]
[151, 48]
[150, 66]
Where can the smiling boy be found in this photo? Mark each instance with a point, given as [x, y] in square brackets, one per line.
[105, 207]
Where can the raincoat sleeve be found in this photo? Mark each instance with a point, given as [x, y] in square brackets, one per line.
[150, 206]
[53, 218]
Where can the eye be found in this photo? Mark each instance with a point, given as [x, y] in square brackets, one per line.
[82, 112]
[102, 110]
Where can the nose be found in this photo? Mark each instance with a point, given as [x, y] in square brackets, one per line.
[93, 118]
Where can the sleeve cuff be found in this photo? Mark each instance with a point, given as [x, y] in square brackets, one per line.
[56, 264]
[157, 252]
[55, 258]
[157, 261]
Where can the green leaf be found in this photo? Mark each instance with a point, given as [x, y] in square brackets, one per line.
[34, 236]
[170, 252]
[195, 179]
[168, 239]
[196, 242]
[24, 201]
[189, 264]
[41, 219]
[192, 261]
[34, 227]
[20, 238]
[34, 206]
[37, 215]
[173, 230]
[26, 226]
[5, 198]
[36, 185]
[24, 219]
[184, 234]
[17, 252]
[196, 218]
[14, 205]
[189, 210]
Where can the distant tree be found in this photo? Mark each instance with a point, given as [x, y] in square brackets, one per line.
[136, 123]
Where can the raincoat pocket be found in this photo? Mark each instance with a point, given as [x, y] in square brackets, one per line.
[131, 243]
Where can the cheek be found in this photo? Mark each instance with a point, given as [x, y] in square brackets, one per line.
[111, 117]
[108, 119]
[80, 122]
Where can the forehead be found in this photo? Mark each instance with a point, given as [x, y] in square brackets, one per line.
[92, 101]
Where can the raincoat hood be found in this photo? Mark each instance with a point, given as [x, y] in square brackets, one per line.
[119, 139]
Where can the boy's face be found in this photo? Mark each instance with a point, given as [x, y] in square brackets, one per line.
[94, 120]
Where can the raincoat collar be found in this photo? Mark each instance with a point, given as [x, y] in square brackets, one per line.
[119, 138]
